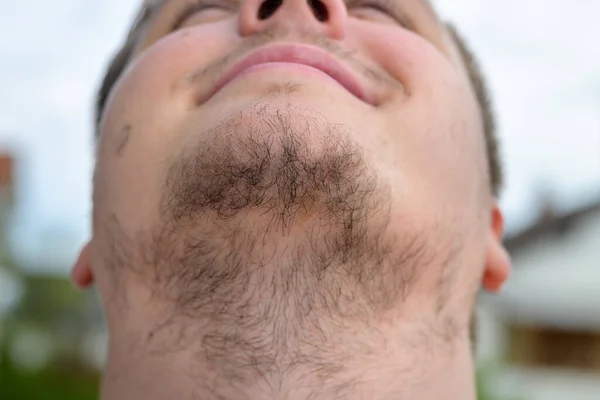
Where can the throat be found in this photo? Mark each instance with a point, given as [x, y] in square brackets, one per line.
[369, 367]
[272, 348]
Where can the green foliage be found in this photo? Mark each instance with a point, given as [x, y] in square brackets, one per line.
[49, 301]
[48, 384]
[484, 386]
[52, 306]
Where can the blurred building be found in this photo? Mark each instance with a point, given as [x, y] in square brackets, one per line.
[546, 323]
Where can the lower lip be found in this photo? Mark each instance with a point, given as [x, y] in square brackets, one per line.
[296, 67]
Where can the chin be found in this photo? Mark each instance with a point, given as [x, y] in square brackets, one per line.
[322, 98]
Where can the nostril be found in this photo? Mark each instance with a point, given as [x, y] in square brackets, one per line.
[268, 8]
[319, 9]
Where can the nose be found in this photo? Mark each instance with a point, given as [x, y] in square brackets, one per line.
[320, 16]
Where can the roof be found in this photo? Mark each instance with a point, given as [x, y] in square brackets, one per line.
[550, 222]
[556, 272]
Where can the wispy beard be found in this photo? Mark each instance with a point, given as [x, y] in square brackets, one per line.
[274, 232]
[285, 188]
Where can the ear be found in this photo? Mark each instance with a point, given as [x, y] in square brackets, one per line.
[498, 264]
[81, 274]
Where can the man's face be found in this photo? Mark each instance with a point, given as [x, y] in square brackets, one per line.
[346, 134]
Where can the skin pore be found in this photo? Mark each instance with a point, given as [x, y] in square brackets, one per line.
[282, 237]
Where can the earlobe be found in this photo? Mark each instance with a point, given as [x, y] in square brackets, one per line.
[81, 274]
[498, 264]
[497, 269]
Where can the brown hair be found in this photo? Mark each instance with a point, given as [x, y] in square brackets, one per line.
[121, 60]
[485, 104]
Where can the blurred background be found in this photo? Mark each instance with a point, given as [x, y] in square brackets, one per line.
[539, 340]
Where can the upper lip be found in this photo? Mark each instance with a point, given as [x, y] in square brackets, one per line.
[300, 54]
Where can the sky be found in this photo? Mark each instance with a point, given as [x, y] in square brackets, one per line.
[541, 58]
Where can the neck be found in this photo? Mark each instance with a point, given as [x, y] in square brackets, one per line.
[186, 378]
[340, 326]
[348, 362]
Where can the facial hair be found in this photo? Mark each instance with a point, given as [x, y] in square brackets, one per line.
[273, 231]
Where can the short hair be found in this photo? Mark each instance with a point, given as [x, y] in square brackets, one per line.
[125, 54]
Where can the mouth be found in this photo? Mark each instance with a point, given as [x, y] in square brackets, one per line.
[301, 58]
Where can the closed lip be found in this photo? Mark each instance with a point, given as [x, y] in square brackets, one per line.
[297, 54]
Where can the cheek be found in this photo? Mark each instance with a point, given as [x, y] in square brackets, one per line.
[442, 153]
[404, 55]
[436, 140]
[157, 81]
[139, 132]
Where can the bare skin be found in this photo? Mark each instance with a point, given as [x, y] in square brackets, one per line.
[288, 235]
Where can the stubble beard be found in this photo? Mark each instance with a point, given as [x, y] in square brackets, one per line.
[273, 238]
